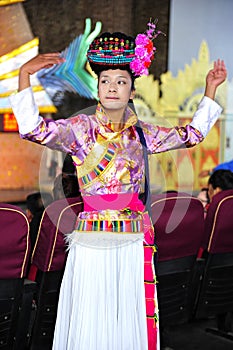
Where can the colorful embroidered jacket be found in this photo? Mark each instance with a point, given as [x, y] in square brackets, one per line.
[108, 161]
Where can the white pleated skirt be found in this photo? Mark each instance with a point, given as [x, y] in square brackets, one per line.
[102, 296]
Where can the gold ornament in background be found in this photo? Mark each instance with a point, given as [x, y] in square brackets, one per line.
[180, 96]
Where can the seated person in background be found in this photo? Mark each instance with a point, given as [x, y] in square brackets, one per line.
[68, 166]
[66, 183]
[225, 166]
[170, 191]
[66, 186]
[203, 196]
[220, 180]
[35, 205]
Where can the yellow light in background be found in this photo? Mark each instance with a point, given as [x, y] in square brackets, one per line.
[9, 2]
[9, 122]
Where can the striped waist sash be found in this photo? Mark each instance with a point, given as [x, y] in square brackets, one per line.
[124, 204]
[117, 226]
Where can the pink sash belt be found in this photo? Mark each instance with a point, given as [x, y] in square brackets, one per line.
[113, 201]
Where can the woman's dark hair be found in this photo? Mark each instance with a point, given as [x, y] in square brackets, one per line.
[68, 165]
[222, 179]
[65, 186]
[206, 190]
[38, 201]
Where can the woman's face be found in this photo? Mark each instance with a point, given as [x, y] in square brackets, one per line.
[114, 89]
[202, 195]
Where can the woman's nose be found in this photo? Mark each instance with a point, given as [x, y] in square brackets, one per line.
[112, 87]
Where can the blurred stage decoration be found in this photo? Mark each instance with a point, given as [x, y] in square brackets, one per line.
[170, 101]
[17, 45]
[9, 68]
[74, 75]
[21, 172]
[49, 85]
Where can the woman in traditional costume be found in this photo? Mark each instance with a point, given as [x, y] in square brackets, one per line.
[108, 297]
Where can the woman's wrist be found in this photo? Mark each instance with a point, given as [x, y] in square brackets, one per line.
[24, 79]
[210, 91]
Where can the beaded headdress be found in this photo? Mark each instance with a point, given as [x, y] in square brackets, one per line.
[117, 50]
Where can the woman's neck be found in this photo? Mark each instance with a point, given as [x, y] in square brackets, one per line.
[117, 118]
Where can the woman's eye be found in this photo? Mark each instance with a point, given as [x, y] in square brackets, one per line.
[104, 81]
[121, 82]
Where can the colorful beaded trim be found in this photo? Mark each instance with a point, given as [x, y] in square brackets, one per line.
[117, 226]
[111, 50]
[107, 57]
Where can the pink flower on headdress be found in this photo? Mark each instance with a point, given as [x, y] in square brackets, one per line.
[141, 39]
[138, 67]
[140, 51]
[144, 50]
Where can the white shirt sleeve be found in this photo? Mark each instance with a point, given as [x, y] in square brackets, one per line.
[25, 110]
[206, 115]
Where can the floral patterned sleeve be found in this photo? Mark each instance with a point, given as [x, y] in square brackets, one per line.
[72, 135]
[62, 135]
[161, 139]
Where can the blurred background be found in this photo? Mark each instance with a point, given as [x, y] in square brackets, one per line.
[197, 33]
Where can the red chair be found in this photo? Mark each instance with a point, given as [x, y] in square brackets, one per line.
[47, 266]
[178, 220]
[216, 292]
[14, 255]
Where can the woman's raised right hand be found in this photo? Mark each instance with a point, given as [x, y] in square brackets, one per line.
[41, 61]
[44, 60]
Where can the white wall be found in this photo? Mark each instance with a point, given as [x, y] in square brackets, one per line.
[191, 22]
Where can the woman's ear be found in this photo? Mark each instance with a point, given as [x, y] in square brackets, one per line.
[217, 190]
[29, 215]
